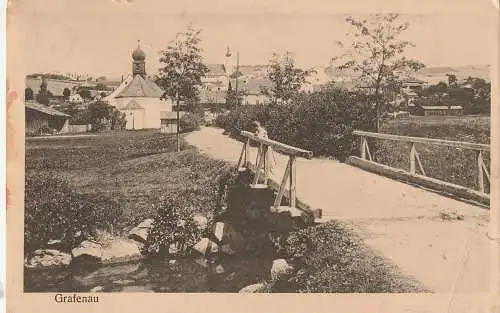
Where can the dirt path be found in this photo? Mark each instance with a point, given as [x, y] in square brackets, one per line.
[400, 221]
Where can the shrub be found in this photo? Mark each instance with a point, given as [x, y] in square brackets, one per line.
[54, 211]
[330, 258]
[189, 122]
[321, 122]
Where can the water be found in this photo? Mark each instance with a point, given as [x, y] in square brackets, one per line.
[185, 275]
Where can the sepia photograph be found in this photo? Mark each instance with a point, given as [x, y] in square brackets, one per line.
[255, 153]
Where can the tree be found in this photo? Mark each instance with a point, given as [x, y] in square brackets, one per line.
[286, 77]
[84, 93]
[66, 93]
[439, 89]
[28, 94]
[43, 95]
[377, 55]
[452, 80]
[183, 68]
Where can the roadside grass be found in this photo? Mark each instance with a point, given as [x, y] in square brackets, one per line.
[135, 169]
[454, 165]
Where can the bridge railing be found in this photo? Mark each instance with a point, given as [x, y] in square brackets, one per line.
[262, 168]
[483, 174]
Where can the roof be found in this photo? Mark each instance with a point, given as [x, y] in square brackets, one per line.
[215, 69]
[251, 86]
[435, 107]
[43, 109]
[140, 87]
[132, 105]
[169, 115]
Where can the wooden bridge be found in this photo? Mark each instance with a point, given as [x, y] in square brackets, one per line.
[390, 211]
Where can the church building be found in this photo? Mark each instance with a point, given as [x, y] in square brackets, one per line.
[139, 97]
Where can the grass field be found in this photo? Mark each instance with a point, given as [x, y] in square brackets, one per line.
[453, 165]
[134, 168]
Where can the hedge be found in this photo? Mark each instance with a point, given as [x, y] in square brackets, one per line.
[321, 122]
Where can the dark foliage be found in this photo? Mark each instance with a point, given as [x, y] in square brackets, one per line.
[189, 122]
[321, 122]
[53, 211]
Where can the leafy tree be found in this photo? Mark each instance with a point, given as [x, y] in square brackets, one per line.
[234, 98]
[439, 89]
[377, 54]
[84, 93]
[101, 114]
[286, 77]
[452, 80]
[43, 95]
[183, 68]
[66, 93]
[28, 94]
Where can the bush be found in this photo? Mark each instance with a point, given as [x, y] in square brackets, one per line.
[321, 122]
[189, 122]
[53, 211]
[174, 215]
[330, 258]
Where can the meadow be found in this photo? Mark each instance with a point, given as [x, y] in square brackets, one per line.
[455, 165]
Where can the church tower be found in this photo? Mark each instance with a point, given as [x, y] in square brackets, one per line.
[228, 64]
[139, 62]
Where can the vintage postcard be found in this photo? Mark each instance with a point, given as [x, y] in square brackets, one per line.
[324, 156]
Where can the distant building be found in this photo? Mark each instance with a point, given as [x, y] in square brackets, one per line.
[139, 97]
[439, 110]
[76, 98]
[40, 118]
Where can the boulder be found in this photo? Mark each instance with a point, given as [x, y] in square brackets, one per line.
[255, 288]
[226, 234]
[219, 269]
[121, 250]
[97, 289]
[280, 269]
[88, 251]
[47, 258]
[205, 247]
[201, 221]
[140, 232]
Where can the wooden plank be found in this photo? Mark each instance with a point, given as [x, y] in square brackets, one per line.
[281, 190]
[259, 166]
[424, 181]
[247, 152]
[266, 164]
[412, 158]
[241, 158]
[431, 141]
[293, 181]
[368, 150]
[278, 146]
[417, 156]
[480, 178]
[362, 148]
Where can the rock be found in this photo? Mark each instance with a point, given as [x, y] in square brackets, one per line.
[48, 258]
[121, 250]
[226, 234]
[203, 262]
[205, 246]
[123, 282]
[172, 262]
[140, 232]
[219, 269]
[280, 269]
[200, 221]
[89, 251]
[255, 288]
[226, 249]
[97, 289]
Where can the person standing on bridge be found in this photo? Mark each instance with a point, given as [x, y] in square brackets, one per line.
[261, 132]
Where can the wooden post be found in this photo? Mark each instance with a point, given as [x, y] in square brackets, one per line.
[362, 148]
[480, 178]
[242, 158]
[412, 158]
[247, 153]
[266, 164]
[281, 191]
[293, 181]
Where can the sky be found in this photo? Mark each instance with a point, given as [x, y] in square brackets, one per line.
[83, 37]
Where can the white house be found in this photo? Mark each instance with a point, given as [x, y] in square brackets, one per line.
[75, 98]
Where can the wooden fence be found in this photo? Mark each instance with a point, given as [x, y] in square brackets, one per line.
[262, 172]
[421, 178]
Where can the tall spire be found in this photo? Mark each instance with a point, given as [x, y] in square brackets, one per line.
[228, 53]
[139, 63]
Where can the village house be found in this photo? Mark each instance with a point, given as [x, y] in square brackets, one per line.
[40, 118]
[442, 110]
[139, 97]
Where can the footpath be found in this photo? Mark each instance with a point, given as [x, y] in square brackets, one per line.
[399, 221]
